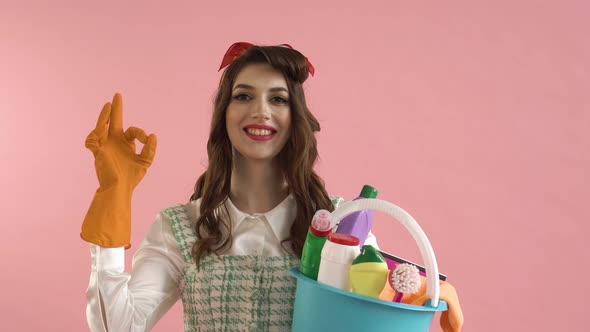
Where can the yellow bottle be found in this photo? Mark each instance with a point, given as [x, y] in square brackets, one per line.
[368, 272]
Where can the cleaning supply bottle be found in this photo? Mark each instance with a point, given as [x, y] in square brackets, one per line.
[368, 272]
[314, 243]
[338, 253]
[358, 224]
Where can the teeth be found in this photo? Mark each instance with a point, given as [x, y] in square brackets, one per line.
[259, 132]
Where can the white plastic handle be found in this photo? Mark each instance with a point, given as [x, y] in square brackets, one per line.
[432, 285]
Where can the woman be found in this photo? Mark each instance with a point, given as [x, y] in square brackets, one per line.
[226, 253]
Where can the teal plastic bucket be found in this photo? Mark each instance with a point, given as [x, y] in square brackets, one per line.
[322, 308]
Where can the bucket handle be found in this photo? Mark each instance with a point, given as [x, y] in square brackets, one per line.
[432, 285]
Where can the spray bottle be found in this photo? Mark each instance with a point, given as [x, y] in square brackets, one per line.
[358, 224]
[314, 243]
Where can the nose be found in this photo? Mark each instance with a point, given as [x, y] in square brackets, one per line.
[261, 110]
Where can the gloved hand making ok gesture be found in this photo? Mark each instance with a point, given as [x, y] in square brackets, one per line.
[119, 170]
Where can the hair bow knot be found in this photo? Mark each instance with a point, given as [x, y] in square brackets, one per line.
[237, 49]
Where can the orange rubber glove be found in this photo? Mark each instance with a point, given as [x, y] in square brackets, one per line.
[451, 320]
[119, 170]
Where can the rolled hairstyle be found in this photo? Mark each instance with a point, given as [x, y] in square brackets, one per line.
[296, 159]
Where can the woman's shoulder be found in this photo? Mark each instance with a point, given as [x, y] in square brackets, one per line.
[187, 212]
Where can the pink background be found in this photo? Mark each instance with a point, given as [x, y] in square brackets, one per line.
[471, 115]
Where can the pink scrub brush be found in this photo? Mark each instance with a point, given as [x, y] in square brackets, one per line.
[405, 279]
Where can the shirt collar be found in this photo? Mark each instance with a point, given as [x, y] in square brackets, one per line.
[280, 218]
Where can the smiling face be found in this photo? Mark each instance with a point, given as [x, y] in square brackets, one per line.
[258, 117]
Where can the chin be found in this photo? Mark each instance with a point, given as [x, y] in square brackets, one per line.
[259, 157]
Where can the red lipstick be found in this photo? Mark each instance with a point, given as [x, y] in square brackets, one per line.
[260, 127]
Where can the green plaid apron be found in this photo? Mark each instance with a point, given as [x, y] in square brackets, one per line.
[233, 293]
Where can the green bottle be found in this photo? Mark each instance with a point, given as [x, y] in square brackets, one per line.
[314, 243]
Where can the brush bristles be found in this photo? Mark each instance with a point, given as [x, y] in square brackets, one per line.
[406, 279]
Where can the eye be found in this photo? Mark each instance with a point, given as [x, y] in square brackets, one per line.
[242, 97]
[279, 100]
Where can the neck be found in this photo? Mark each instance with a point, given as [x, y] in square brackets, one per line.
[257, 186]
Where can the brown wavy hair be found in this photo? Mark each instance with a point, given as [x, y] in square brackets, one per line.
[296, 159]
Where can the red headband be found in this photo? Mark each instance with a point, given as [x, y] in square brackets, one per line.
[238, 48]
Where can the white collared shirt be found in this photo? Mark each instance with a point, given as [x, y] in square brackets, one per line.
[136, 301]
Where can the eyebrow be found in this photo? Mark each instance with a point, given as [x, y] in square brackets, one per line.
[249, 87]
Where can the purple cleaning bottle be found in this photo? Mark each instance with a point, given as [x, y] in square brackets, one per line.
[358, 224]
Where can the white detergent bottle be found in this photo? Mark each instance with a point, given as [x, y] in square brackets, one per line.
[337, 256]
